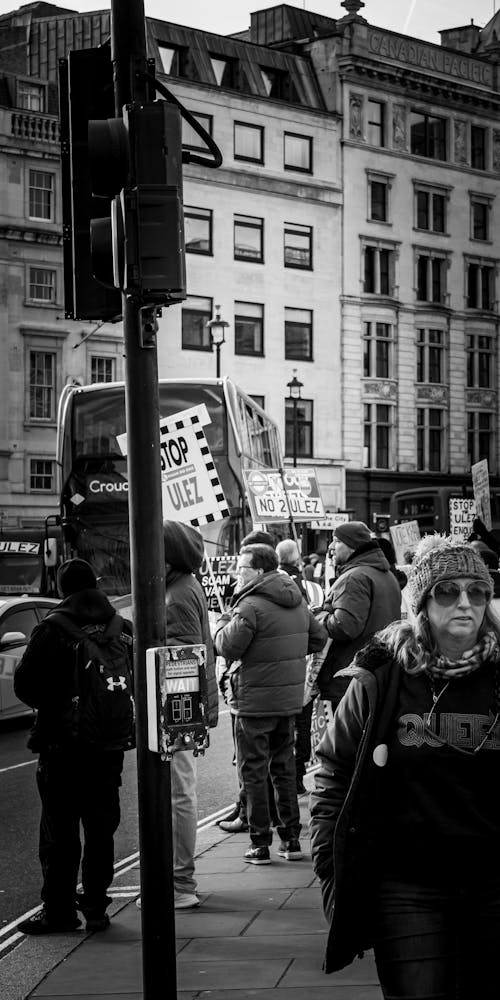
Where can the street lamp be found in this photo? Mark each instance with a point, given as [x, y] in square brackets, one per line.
[294, 388]
[217, 333]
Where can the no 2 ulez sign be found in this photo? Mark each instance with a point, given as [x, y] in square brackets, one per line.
[274, 497]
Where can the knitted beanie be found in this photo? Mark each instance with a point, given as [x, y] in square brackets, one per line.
[353, 533]
[439, 557]
[75, 575]
[184, 546]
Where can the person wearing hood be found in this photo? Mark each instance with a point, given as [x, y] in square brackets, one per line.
[365, 597]
[265, 639]
[187, 624]
[77, 782]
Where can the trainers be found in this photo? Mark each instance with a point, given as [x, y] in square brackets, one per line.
[97, 922]
[185, 900]
[290, 851]
[41, 924]
[258, 855]
[233, 826]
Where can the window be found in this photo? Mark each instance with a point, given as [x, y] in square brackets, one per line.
[196, 313]
[431, 278]
[375, 123]
[172, 59]
[378, 191]
[430, 356]
[480, 361]
[299, 428]
[377, 435]
[298, 334]
[42, 385]
[248, 142]
[260, 400]
[479, 220]
[225, 71]
[377, 350]
[298, 246]
[297, 152]
[478, 147]
[248, 328]
[41, 195]
[102, 369]
[198, 230]
[480, 437]
[430, 209]
[278, 84]
[42, 284]
[378, 270]
[30, 96]
[428, 136]
[480, 286]
[190, 138]
[41, 475]
[430, 440]
[248, 238]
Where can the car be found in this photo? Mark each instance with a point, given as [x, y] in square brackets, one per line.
[18, 618]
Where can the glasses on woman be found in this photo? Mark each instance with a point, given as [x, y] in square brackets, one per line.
[447, 592]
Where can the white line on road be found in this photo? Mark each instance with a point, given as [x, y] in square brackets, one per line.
[12, 767]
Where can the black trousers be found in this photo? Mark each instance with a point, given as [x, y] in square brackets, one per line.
[265, 746]
[303, 740]
[78, 788]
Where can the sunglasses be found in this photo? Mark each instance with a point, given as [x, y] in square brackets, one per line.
[448, 593]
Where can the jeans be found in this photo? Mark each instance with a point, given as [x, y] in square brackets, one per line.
[78, 788]
[184, 819]
[439, 943]
[265, 745]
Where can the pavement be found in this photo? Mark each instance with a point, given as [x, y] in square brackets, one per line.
[259, 933]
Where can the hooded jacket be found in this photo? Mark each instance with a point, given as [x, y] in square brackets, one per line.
[187, 613]
[364, 598]
[44, 678]
[265, 641]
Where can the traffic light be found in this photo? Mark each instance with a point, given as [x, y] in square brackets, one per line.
[122, 192]
[85, 93]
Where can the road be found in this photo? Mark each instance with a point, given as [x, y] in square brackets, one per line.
[20, 809]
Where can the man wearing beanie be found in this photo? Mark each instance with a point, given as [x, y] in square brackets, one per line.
[77, 782]
[365, 597]
[187, 624]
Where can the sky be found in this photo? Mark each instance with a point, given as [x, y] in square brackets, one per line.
[420, 18]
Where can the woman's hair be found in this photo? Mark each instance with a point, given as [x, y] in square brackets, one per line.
[410, 644]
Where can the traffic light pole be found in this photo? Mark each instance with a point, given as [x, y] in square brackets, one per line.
[128, 51]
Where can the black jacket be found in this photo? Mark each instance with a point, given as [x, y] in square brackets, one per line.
[44, 678]
[345, 802]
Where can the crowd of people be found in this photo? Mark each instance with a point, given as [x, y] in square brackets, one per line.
[404, 816]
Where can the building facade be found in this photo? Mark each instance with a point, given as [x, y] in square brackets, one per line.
[350, 238]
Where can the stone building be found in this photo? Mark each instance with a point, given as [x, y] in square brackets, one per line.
[350, 236]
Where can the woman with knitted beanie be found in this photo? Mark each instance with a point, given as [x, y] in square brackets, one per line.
[405, 816]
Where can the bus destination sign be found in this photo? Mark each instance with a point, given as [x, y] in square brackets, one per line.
[274, 497]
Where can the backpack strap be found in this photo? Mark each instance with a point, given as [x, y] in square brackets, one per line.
[66, 624]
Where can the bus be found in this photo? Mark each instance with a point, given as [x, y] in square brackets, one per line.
[29, 558]
[430, 507]
[93, 470]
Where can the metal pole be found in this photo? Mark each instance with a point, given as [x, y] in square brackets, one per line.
[128, 48]
[295, 433]
[217, 360]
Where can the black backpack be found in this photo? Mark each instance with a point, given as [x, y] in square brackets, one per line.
[103, 709]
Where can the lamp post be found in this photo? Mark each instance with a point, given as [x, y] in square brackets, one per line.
[294, 387]
[217, 333]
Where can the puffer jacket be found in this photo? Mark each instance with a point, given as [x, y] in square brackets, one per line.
[264, 641]
[44, 678]
[344, 804]
[187, 624]
[364, 598]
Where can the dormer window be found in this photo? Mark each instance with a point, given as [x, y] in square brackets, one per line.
[30, 96]
[224, 71]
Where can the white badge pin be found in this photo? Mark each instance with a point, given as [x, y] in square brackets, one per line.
[380, 755]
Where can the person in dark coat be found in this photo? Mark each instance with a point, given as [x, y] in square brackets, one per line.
[76, 783]
[264, 640]
[405, 819]
[364, 597]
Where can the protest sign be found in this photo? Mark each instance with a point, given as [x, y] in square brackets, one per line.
[462, 514]
[274, 497]
[481, 487]
[405, 537]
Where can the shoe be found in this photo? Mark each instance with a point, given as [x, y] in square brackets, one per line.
[138, 903]
[258, 855]
[41, 924]
[235, 812]
[97, 923]
[301, 788]
[234, 826]
[290, 851]
[185, 900]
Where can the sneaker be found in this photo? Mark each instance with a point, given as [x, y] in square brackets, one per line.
[290, 851]
[233, 826]
[41, 924]
[235, 812]
[185, 900]
[97, 922]
[258, 855]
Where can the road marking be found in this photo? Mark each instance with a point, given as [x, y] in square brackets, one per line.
[12, 767]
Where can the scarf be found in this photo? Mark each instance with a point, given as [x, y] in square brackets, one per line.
[441, 667]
